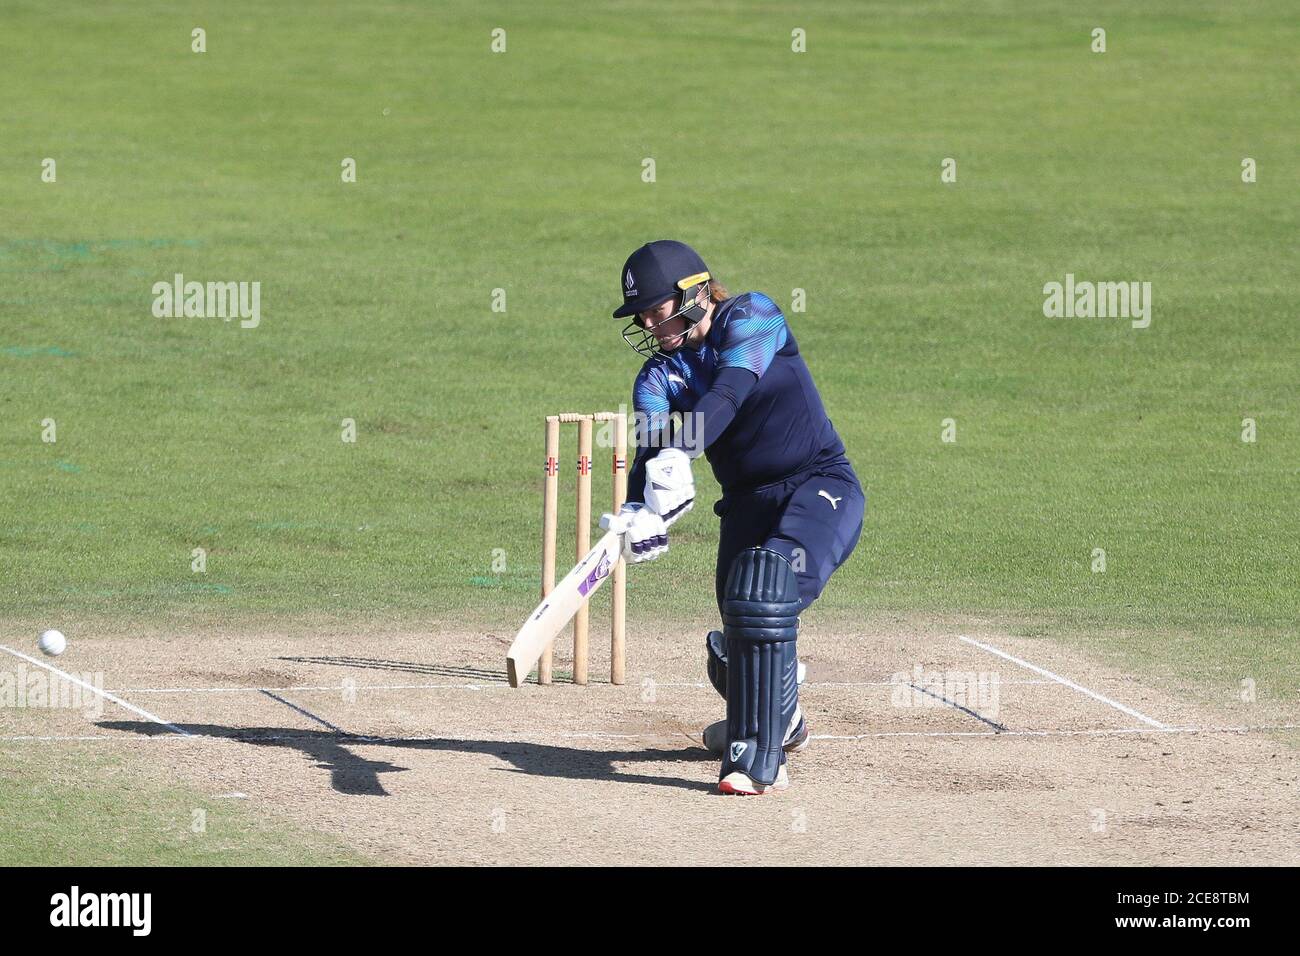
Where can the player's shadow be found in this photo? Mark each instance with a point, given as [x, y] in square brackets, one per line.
[355, 775]
[404, 667]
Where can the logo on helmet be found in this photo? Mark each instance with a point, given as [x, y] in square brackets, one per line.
[629, 286]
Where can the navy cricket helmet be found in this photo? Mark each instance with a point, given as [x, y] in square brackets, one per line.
[651, 276]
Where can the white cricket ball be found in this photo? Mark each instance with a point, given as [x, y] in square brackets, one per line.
[52, 643]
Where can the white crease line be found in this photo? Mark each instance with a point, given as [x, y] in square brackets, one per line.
[95, 690]
[336, 688]
[835, 738]
[854, 683]
[1063, 680]
[1096, 732]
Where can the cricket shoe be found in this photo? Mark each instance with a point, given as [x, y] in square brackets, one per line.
[796, 740]
[739, 784]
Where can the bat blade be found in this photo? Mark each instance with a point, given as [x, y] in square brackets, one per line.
[558, 607]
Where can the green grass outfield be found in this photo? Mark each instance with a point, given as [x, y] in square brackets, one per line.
[522, 171]
[92, 812]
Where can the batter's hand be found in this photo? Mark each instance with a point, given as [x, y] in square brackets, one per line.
[669, 487]
[645, 536]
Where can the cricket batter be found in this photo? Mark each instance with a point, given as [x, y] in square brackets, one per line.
[791, 506]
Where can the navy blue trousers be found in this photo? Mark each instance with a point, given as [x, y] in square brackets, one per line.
[814, 519]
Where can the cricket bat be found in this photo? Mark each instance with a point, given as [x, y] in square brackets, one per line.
[558, 607]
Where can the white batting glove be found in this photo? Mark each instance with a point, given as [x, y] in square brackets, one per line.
[645, 536]
[669, 487]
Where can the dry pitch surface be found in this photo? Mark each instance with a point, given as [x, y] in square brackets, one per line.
[412, 748]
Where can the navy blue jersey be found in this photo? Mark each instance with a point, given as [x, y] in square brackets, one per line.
[763, 418]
